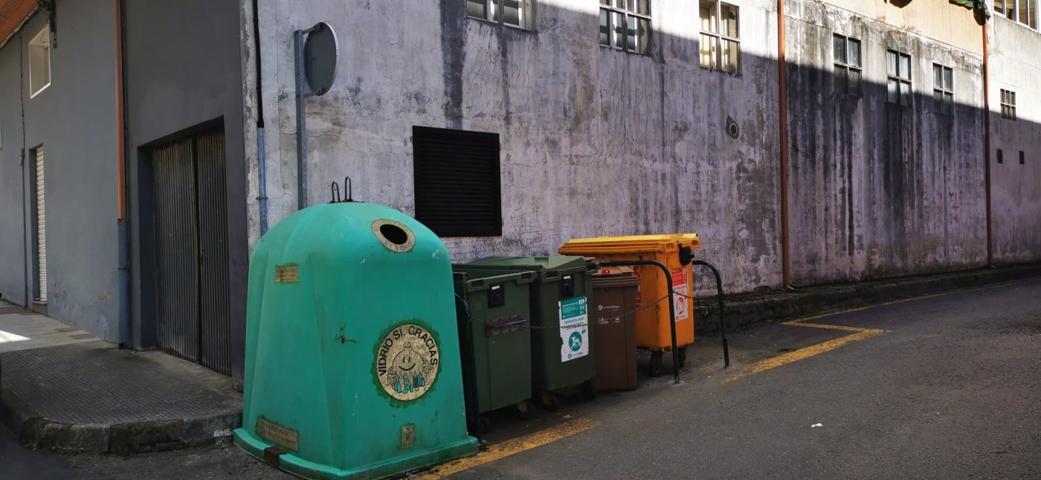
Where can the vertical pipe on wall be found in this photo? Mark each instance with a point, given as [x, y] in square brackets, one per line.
[27, 254]
[121, 204]
[261, 150]
[301, 119]
[123, 230]
[986, 145]
[782, 95]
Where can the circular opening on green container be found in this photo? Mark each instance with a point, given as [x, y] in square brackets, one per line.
[394, 235]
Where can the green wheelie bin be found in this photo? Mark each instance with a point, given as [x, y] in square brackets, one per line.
[494, 314]
[561, 349]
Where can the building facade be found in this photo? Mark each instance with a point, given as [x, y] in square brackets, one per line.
[122, 171]
[806, 141]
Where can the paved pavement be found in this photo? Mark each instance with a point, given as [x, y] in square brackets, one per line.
[23, 330]
[943, 387]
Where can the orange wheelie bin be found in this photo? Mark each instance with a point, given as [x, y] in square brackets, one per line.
[652, 323]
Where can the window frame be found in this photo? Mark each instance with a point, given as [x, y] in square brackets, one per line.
[719, 38]
[526, 13]
[615, 8]
[34, 43]
[1009, 9]
[1008, 105]
[944, 92]
[901, 80]
[846, 66]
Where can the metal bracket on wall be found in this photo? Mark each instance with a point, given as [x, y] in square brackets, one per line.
[52, 16]
[316, 51]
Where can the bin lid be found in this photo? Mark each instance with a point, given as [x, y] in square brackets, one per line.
[613, 271]
[553, 262]
[631, 244]
[479, 280]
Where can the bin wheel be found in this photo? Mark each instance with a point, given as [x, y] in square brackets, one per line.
[588, 391]
[523, 410]
[549, 402]
[484, 425]
[654, 368]
[683, 357]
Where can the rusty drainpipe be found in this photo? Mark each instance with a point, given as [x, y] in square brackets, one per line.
[986, 145]
[121, 200]
[782, 95]
[124, 302]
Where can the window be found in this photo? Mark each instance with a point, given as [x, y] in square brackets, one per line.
[456, 176]
[40, 62]
[943, 88]
[516, 13]
[1001, 156]
[1021, 11]
[898, 71]
[1008, 104]
[626, 25]
[720, 38]
[847, 65]
[1022, 158]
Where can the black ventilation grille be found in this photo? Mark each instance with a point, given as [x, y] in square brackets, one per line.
[457, 182]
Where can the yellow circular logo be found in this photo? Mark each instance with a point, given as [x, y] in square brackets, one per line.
[407, 362]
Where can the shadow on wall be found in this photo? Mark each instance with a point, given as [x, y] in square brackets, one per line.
[882, 182]
[879, 186]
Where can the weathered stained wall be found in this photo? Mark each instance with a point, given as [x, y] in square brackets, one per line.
[599, 142]
[879, 189]
[1015, 60]
[936, 20]
[594, 141]
[74, 119]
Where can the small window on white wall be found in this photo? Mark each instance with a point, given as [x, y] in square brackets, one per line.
[40, 62]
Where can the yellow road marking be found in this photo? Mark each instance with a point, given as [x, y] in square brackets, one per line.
[510, 447]
[805, 352]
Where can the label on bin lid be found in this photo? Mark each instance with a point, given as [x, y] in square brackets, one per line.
[407, 362]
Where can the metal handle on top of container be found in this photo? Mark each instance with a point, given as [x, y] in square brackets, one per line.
[672, 306]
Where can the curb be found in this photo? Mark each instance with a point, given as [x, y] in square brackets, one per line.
[34, 431]
[747, 310]
[38, 433]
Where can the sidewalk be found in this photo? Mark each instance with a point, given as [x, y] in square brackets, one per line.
[70, 392]
[751, 309]
[63, 390]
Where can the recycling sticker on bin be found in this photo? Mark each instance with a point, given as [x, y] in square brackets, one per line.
[574, 328]
[680, 289]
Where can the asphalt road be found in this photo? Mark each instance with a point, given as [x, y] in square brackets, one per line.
[952, 389]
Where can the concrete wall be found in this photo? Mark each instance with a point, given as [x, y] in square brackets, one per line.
[594, 141]
[937, 20]
[1015, 64]
[183, 69]
[878, 189]
[12, 177]
[74, 119]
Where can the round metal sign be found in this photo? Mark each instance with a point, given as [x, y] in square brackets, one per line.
[321, 50]
[407, 362]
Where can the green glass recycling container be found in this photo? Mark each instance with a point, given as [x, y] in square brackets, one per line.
[352, 350]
